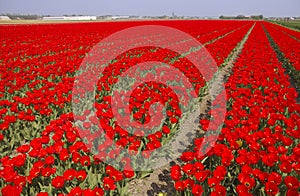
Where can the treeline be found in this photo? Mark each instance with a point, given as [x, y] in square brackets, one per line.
[31, 16]
[22, 16]
[258, 17]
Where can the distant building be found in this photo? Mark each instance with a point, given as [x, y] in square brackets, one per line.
[70, 18]
[4, 18]
[106, 17]
[112, 17]
[119, 17]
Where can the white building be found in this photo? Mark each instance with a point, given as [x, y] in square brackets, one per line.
[4, 18]
[70, 18]
[119, 17]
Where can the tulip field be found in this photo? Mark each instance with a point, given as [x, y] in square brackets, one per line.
[48, 148]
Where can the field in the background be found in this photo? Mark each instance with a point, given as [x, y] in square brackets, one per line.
[257, 151]
[291, 24]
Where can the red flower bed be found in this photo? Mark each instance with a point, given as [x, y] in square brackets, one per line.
[42, 152]
[289, 31]
[257, 151]
[289, 46]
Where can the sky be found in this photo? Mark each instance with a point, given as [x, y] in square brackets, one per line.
[208, 8]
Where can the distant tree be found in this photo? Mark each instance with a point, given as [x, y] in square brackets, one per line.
[258, 17]
[23, 17]
[240, 17]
